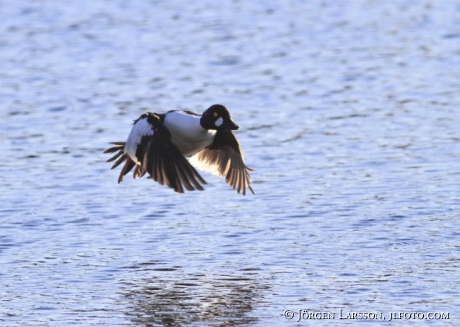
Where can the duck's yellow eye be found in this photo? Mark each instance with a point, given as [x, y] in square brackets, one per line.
[215, 114]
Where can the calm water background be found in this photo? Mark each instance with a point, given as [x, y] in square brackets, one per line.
[349, 113]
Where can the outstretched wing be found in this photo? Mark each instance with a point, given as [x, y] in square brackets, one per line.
[149, 150]
[122, 157]
[224, 157]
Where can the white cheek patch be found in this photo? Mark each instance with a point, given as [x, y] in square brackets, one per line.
[140, 129]
[219, 122]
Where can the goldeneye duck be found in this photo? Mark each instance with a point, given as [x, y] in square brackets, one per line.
[159, 144]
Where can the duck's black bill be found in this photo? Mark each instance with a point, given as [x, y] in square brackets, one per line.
[229, 125]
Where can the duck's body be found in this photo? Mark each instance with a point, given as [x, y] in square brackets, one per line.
[187, 133]
[159, 143]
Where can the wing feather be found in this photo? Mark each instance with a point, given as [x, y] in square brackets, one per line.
[224, 158]
[149, 150]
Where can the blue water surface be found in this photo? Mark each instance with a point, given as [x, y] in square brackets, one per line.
[349, 112]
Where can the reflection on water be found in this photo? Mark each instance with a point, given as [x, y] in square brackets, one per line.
[173, 298]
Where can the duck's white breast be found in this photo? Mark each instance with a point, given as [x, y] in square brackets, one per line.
[187, 133]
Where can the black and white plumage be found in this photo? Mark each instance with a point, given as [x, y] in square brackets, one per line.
[159, 144]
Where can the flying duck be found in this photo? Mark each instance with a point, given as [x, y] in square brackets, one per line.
[159, 144]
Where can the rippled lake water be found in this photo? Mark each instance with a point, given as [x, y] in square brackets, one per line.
[349, 114]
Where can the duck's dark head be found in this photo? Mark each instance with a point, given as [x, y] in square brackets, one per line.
[217, 117]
